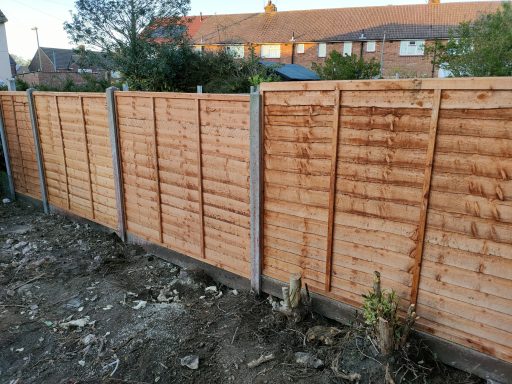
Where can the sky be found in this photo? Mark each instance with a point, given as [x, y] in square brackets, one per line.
[49, 15]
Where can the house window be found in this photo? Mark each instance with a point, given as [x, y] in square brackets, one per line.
[300, 48]
[412, 48]
[347, 48]
[198, 48]
[370, 46]
[271, 51]
[322, 50]
[236, 50]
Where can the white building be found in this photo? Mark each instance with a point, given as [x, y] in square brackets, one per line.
[5, 65]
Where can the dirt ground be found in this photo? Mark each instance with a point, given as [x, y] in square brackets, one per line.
[78, 306]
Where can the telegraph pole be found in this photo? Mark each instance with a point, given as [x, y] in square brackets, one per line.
[38, 50]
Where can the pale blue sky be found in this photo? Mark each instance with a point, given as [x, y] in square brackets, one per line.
[48, 16]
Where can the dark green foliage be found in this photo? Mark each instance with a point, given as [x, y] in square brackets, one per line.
[348, 67]
[480, 48]
[122, 30]
[182, 69]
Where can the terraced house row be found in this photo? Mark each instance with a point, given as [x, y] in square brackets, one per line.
[394, 35]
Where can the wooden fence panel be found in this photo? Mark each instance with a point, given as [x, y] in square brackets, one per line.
[422, 191]
[186, 173]
[20, 139]
[465, 290]
[76, 154]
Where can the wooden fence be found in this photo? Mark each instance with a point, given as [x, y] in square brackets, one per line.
[411, 178]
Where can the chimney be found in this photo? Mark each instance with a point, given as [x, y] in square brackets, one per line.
[201, 16]
[270, 7]
[434, 1]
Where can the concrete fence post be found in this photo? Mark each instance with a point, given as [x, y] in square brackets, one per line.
[38, 150]
[199, 89]
[11, 85]
[116, 161]
[255, 144]
[5, 148]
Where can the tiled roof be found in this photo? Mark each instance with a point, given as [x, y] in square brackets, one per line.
[60, 58]
[3, 19]
[397, 21]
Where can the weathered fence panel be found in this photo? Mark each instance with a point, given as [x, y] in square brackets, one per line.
[185, 162]
[75, 143]
[16, 118]
[408, 178]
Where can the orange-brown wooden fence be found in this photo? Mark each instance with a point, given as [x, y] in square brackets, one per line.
[16, 119]
[411, 178]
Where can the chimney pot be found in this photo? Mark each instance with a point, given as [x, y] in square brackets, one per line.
[434, 1]
[270, 7]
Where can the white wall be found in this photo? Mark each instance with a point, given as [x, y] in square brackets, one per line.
[5, 66]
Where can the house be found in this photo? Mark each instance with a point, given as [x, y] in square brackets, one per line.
[5, 64]
[395, 35]
[54, 66]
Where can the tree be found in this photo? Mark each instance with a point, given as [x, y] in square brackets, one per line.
[179, 68]
[480, 48]
[124, 30]
[348, 67]
[20, 60]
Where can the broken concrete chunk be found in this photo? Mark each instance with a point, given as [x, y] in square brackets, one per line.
[308, 360]
[211, 289]
[325, 335]
[79, 323]
[190, 361]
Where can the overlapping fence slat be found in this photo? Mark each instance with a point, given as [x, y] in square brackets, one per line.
[16, 118]
[422, 195]
[186, 173]
[76, 153]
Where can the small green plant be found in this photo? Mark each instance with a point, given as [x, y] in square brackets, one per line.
[380, 313]
[384, 305]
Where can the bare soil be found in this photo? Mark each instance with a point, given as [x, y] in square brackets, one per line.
[143, 315]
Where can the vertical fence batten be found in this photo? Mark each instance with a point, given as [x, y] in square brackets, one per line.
[255, 144]
[200, 177]
[64, 162]
[5, 148]
[157, 171]
[38, 150]
[332, 188]
[425, 195]
[87, 155]
[116, 161]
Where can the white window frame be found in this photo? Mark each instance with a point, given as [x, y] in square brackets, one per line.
[238, 51]
[299, 48]
[322, 49]
[347, 48]
[412, 48]
[270, 51]
[371, 46]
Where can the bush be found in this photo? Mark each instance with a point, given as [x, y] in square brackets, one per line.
[348, 67]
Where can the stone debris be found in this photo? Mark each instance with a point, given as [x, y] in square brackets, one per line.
[79, 323]
[308, 360]
[190, 361]
[140, 304]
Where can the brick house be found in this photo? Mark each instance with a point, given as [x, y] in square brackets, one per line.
[305, 37]
[54, 66]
